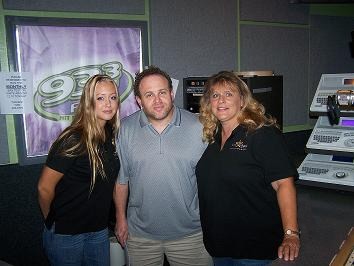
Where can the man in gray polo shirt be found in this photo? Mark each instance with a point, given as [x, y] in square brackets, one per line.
[159, 147]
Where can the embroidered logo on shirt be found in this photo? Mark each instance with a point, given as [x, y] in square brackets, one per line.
[239, 145]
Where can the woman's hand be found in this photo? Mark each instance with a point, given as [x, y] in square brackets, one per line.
[289, 248]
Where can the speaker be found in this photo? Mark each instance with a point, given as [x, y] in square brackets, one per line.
[193, 89]
[268, 90]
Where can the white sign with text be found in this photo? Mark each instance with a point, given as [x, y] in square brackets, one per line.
[16, 92]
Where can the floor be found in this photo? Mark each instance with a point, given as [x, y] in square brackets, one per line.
[325, 218]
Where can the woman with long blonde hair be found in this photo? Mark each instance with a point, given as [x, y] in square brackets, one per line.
[245, 179]
[75, 189]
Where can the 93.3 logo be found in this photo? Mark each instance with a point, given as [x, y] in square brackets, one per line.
[58, 96]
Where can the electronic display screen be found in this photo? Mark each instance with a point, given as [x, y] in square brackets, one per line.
[196, 83]
[347, 123]
[347, 159]
[348, 81]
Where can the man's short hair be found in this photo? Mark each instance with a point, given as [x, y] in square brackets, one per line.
[151, 70]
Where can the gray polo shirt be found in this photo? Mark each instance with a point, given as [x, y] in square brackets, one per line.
[160, 169]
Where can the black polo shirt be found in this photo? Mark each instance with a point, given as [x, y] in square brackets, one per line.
[239, 211]
[75, 210]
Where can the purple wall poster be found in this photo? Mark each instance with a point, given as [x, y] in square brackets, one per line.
[61, 60]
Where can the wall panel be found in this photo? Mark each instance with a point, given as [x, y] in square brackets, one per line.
[284, 51]
[4, 148]
[198, 38]
[273, 11]
[329, 48]
[102, 6]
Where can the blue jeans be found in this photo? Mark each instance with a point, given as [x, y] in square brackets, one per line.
[91, 249]
[225, 261]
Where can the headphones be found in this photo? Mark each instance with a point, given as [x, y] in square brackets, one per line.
[333, 111]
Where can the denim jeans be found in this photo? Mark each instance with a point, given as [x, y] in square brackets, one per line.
[225, 261]
[91, 249]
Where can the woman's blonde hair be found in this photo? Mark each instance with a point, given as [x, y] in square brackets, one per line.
[86, 124]
[252, 113]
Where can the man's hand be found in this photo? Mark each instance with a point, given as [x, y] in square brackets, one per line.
[121, 231]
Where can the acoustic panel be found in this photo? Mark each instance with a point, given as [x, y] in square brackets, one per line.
[4, 148]
[194, 39]
[273, 11]
[330, 51]
[103, 6]
[284, 51]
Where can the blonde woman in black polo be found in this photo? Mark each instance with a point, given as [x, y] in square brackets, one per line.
[245, 179]
[75, 189]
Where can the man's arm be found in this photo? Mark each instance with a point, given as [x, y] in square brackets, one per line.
[120, 197]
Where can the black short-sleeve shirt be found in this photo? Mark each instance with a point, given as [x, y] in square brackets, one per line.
[239, 211]
[75, 210]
